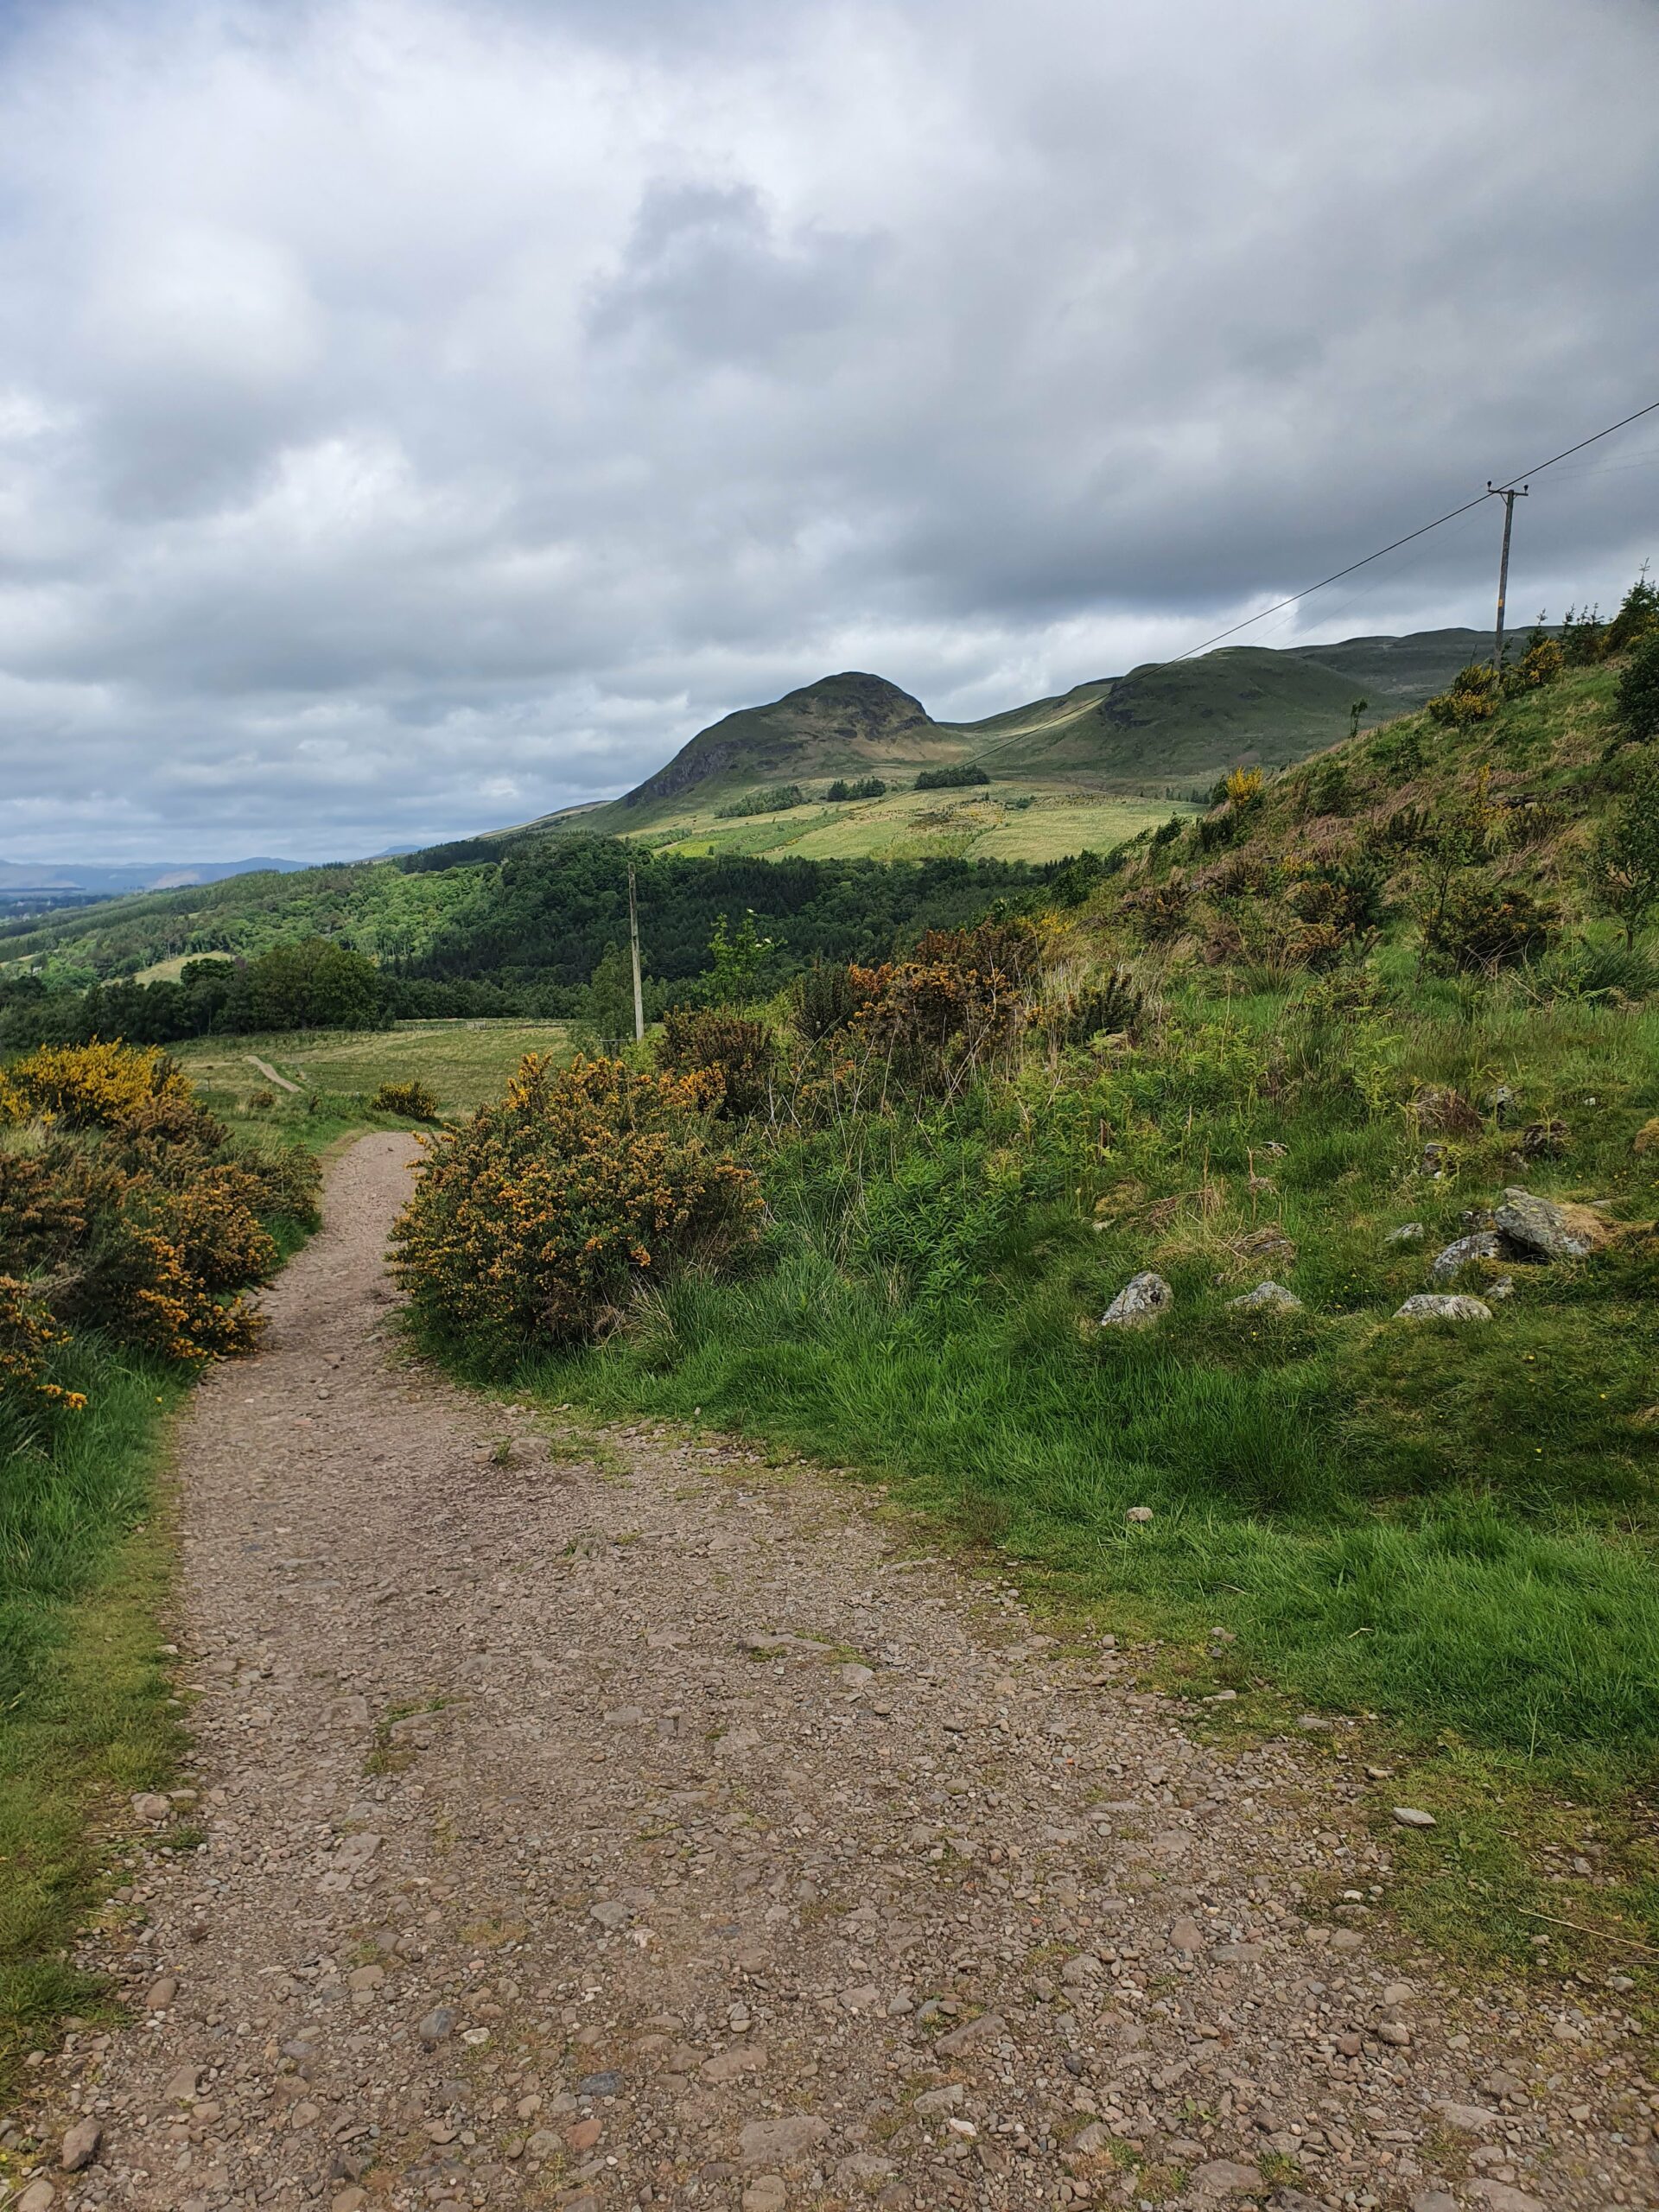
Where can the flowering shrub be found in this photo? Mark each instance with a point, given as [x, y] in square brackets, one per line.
[414, 1099]
[535, 1222]
[713, 1041]
[27, 1337]
[139, 1215]
[95, 1086]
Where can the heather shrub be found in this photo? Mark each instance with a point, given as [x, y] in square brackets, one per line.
[536, 1221]
[716, 1041]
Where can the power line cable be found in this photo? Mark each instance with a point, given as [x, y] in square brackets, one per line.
[1450, 516]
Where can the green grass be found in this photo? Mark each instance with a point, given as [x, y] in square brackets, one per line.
[1021, 819]
[464, 1063]
[1449, 1531]
[85, 1718]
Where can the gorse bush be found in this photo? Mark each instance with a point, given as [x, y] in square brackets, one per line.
[95, 1086]
[536, 1223]
[1480, 925]
[137, 1216]
[713, 1041]
[414, 1099]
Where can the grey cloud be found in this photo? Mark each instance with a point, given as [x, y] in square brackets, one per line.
[416, 414]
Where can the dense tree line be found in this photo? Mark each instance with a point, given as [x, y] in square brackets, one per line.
[557, 906]
[532, 942]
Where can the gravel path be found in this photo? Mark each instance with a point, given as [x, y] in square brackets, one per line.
[610, 1827]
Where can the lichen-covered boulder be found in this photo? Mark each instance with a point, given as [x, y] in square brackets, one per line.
[1267, 1298]
[1439, 1305]
[1141, 1302]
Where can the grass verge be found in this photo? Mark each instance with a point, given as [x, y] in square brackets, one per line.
[85, 1717]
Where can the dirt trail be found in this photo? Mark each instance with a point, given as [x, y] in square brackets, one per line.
[645, 1828]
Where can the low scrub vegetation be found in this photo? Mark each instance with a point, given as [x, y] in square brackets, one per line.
[961, 778]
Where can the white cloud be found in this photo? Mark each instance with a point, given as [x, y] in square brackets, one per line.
[420, 414]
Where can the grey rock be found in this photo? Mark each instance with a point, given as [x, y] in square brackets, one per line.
[1434, 2200]
[1441, 1305]
[80, 2145]
[39, 2197]
[1543, 1229]
[1412, 1816]
[1503, 1288]
[1501, 2196]
[599, 2085]
[1268, 1298]
[1141, 1302]
[1139, 1514]
[1464, 1252]
[1409, 1232]
[438, 2024]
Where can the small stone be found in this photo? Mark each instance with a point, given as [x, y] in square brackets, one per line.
[1396, 1993]
[1434, 2200]
[1468, 2120]
[1185, 1936]
[766, 2193]
[180, 2087]
[39, 2197]
[1226, 2178]
[1267, 1298]
[1409, 1232]
[348, 2200]
[584, 2135]
[1394, 2032]
[161, 1993]
[1412, 1816]
[1502, 2084]
[438, 2025]
[856, 1677]
[1141, 1302]
[80, 2145]
[149, 1806]
[985, 2029]
[1502, 2197]
[600, 2085]
[1140, 1514]
[932, 2103]
[782, 2142]
[1437, 1306]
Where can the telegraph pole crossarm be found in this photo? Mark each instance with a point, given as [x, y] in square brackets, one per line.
[1509, 494]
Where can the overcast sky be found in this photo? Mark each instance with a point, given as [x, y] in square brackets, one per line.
[415, 415]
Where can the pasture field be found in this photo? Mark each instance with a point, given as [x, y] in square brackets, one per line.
[1007, 822]
[464, 1062]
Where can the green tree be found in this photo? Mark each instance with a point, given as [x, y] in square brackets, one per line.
[737, 956]
[1638, 697]
[606, 1018]
[1637, 616]
[1624, 878]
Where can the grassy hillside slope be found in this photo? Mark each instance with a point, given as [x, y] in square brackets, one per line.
[1323, 1064]
[1068, 772]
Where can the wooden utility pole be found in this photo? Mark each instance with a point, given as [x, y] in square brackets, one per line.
[1509, 495]
[633, 939]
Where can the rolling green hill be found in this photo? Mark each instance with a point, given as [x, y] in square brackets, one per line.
[1120, 744]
